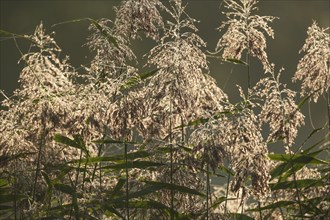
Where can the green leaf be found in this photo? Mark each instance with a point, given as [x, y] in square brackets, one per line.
[46, 177]
[5, 207]
[198, 121]
[302, 102]
[236, 61]
[204, 120]
[175, 187]
[154, 187]
[3, 182]
[186, 149]
[130, 82]
[10, 198]
[6, 159]
[120, 157]
[311, 135]
[70, 21]
[65, 189]
[238, 216]
[138, 194]
[220, 200]
[7, 33]
[110, 209]
[111, 39]
[143, 204]
[297, 158]
[226, 170]
[121, 182]
[305, 183]
[134, 80]
[228, 60]
[275, 205]
[151, 204]
[293, 164]
[111, 141]
[76, 143]
[146, 75]
[132, 164]
[60, 211]
[13, 35]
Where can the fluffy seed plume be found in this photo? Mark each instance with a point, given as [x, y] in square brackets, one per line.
[314, 68]
[139, 15]
[245, 32]
[279, 109]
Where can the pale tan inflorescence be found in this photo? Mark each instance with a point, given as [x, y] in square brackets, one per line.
[180, 91]
[279, 109]
[133, 16]
[310, 192]
[245, 31]
[248, 154]
[314, 68]
[39, 110]
[36, 113]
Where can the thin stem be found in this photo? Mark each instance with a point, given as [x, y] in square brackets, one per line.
[126, 168]
[4, 95]
[259, 207]
[282, 214]
[248, 68]
[15, 193]
[295, 184]
[98, 164]
[328, 104]
[84, 176]
[41, 142]
[310, 115]
[75, 184]
[227, 192]
[78, 170]
[171, 161]
[207, 190]
[242, 209]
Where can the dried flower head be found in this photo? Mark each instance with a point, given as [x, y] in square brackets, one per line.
[279, 109]
[35, 113]
[180, 91]
[248, 154]
[313, 192]
[236, 135]
[112, 51]
[139, 15]
[314, 68]
[245, 31]
[209, 143]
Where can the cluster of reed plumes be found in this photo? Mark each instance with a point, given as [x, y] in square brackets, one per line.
[110, 142]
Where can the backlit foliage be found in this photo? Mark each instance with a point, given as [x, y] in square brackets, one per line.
[112, 142]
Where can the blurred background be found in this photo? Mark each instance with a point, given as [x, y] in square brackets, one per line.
[295, 16]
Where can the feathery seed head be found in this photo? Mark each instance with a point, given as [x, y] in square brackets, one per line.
[314, 68]
[245, 31]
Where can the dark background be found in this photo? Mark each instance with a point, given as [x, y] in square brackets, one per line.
[21, 17]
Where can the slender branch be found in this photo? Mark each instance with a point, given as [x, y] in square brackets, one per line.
[15, 191]
[328, 105]
[295, 184]
[171, 159]
[4, 94]
[248, 68]
[126, 168]
[207, 190]
[227, 192]
[41, 143]
[259, 207]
